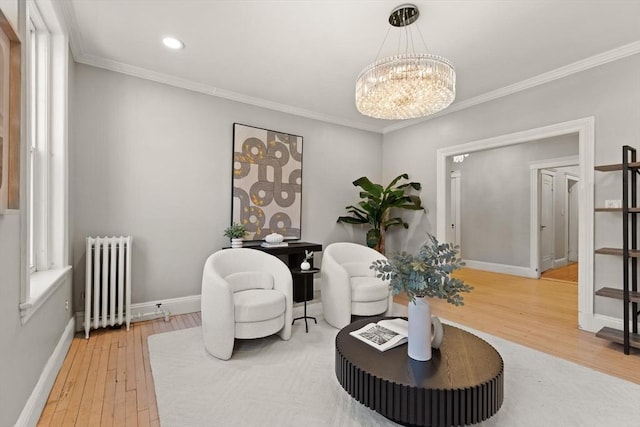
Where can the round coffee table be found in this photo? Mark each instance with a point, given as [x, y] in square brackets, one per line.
[462, 383]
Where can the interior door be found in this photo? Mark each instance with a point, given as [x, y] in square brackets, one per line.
[546, 221]
[454, 212]
[572, 209]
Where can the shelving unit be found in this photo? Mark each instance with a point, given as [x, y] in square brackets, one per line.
[629, 252]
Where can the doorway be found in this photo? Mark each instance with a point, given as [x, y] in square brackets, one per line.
[585, 129]
[564, 217]
[573, 217]
[566, 269]
[547, 223]
[455, 209]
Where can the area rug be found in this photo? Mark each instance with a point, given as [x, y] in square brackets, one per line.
[270, 382]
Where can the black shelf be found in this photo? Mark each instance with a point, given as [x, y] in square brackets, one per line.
[629, 252]
[293, 254]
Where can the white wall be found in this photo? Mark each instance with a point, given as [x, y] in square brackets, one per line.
[495, 193]
[154, 161]
[25, 349]
[609, 92]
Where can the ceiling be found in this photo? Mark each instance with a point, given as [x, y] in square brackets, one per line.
[303, 56]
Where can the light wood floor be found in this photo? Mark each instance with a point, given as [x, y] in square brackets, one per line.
[568, 273]
[107, 381]
[540, 314]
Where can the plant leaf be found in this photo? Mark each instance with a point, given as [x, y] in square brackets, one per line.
[368, 186]
[351, 220]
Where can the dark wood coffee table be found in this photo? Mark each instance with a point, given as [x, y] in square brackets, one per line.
[462, 383]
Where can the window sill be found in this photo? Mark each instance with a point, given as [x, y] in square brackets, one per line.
[42, 285]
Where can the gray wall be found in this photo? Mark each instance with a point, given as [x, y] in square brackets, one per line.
[609, 92]
[25, 348]
[495, 193]
[154, 161]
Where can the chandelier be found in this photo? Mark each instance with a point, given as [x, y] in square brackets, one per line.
[409, 84]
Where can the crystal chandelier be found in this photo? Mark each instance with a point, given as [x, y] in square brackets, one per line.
[407, 85]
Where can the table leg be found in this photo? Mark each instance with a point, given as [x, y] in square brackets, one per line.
[305, 317]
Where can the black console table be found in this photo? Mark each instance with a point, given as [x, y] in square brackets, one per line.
[293, 254]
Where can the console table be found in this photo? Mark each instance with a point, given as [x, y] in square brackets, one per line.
[293, 254]
[462, 383]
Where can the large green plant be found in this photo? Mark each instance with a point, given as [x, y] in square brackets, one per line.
[376, 204]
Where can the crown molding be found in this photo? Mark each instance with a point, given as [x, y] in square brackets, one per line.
[75, 39]
[576, 67]
[67, 18]
[170, 80]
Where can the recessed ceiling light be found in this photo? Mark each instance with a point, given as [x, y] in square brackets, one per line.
[172, 43]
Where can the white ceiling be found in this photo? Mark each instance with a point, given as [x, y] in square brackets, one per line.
[303, 56]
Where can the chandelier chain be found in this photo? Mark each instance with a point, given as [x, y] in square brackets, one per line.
[426, 48]
[382, 45]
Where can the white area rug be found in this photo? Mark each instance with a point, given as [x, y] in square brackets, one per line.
[270, 382]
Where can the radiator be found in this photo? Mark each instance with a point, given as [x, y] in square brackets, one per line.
[108, 283]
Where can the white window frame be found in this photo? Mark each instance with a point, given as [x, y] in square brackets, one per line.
[38, 108]
[46, 135]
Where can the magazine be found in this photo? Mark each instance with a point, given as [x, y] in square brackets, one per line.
[383, 335]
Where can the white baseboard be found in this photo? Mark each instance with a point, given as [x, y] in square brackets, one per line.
[595, 322]
[501, 268]
[560, 262]
[182, 305]
[35, 404]
[191, 304]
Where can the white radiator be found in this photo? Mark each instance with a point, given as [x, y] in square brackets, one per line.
[108, 283]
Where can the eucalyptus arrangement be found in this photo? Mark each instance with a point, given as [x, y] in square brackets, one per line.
[426, 273]
[235, 231]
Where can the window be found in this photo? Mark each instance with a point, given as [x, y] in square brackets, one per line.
[46, 109]
[36, 106]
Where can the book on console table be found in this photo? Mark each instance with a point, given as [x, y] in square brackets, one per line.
[385, 334]
[274, 245]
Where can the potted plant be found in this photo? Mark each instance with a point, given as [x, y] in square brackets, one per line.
[235, 232]
[426, 273]
[376, 204]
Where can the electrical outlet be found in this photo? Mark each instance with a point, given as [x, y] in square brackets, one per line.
[613, 204]
[66, 305]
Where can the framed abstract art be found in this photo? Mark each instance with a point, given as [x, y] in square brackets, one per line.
[267, 182]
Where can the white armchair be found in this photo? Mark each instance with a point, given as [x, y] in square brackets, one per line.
[349, 287]
[246, 293]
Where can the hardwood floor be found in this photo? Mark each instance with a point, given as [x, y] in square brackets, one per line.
[107, 381]
[568, 273]
[540, 314]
